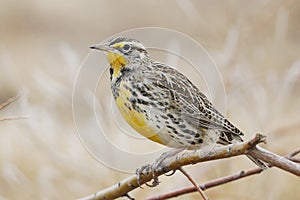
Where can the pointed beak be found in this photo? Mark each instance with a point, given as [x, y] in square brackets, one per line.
[102, 47]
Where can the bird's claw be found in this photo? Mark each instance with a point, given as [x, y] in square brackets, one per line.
[154, 183]
[155, 168]
[170, 174]
[145, 170]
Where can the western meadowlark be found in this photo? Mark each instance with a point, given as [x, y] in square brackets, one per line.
[161, 103]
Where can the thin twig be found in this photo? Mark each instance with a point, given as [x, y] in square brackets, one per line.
[294, 153]
[13, 118]
[208, 184]
[194, 183]
[296, 160]
[217, 182]
[9, 101]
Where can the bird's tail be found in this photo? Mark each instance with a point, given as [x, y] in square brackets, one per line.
[258, 162]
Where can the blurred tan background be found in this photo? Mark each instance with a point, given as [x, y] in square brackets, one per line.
[256, 46]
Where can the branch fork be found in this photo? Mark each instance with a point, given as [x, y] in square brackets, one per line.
[176, 162]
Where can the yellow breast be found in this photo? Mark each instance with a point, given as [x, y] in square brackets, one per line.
[135, 118]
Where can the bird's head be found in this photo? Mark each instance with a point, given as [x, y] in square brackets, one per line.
[122, 54]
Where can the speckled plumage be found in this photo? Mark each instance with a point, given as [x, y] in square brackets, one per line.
[179, 113]
[160, 102]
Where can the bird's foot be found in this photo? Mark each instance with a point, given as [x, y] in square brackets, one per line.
[155, 168]
[145, 170]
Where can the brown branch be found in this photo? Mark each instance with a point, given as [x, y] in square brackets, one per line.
[13, 118]
[294, 153]
[194, 183]
[174, 163]
[218, 181]
[276, 160]
[209, 184]
[192, 157]
[9, 101]
[296, 160]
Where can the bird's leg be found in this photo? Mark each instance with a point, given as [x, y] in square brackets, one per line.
[155, 167]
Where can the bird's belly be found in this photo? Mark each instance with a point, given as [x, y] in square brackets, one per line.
[136, 116]
[157, 124]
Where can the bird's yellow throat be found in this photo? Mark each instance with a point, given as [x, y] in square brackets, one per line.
[116, 61]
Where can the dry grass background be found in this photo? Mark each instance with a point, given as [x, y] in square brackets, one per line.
[256, 46]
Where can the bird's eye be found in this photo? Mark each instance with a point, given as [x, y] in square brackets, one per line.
[126, 47]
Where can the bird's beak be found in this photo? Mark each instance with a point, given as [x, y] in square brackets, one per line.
[102, 47]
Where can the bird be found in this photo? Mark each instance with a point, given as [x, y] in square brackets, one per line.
[161, 103]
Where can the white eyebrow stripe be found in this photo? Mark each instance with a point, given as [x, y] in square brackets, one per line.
[135, 44]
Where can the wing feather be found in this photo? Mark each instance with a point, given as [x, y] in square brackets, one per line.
[188, 101]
